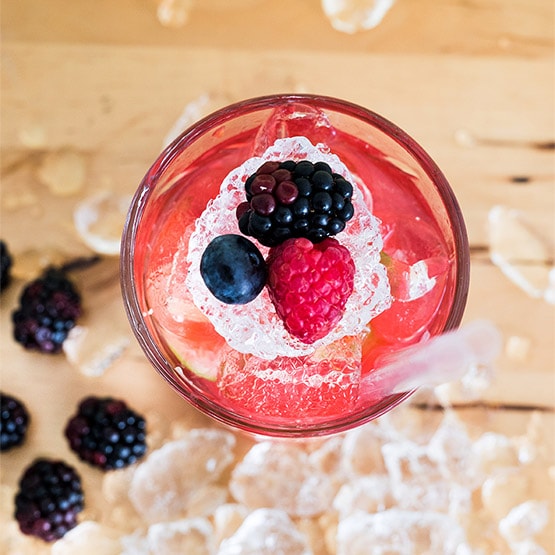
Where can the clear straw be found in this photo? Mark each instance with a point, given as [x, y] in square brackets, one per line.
[443, 358]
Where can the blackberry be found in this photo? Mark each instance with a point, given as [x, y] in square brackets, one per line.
[14, 421]
[295, 199]
[106, 433]
[5, 266]
[49, 499]
[48, 309]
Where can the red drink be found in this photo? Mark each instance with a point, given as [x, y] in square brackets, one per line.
[424, 250]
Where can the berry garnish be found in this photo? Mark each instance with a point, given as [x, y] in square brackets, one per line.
[106, 433]
[233, 269]
[309, 285]
[14, 422]
[49, 499]
[5, 266]
[49, 308]
[295, 199]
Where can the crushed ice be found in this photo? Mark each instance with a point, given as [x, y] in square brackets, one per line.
[408, 483]
[255, 328]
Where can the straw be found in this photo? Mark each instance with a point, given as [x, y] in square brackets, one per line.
[443, 358]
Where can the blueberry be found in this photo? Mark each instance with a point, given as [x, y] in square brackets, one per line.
[233, 269]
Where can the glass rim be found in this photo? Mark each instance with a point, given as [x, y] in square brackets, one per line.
[131, 302]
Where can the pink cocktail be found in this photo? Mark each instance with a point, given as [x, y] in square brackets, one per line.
[421, 252]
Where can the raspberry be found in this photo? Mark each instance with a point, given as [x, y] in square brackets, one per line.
[5, 266]
[14, 422]
[309, 285]
[295, 199]
[106, 433]
[49, 499]
[49, 307]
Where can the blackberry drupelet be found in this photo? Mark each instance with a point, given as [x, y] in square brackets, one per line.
[49, 499]
[5, 266]
[14, 421]
[106, 433]
[48, 309]
[295, 199]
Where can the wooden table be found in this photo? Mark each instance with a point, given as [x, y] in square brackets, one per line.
[101, 85]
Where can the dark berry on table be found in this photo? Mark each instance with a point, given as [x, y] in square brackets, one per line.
[14, 421]
[233, 268]
[49, 499]
[297, 199]
[48, 309]
[106, 433]
[5, 266]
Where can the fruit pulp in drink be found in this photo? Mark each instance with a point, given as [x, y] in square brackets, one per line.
[418, 254]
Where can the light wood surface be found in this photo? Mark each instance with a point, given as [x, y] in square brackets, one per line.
[473, 82]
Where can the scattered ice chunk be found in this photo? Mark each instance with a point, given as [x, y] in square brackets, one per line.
[255, 328]
[524, 521]
[227, 519]
[520, 252]
[327, 457]
[279, 475]
[451, 448]
[135, 544]
[91, 356]
[174, 13]
[193, 536]
[470, 387]
[266, 532]
[351, 16]
[33, 136]
[528, 547]
[417, 482]
[493, 451]
[362, 450]
[99, 221]
[504, 490]
[163, 486]
[517, 348]
[370, 494]
[206, 499]
[88, 538]
[464, 138]
[63, 172]
[400, 532]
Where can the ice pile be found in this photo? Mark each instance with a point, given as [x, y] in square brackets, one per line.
[352, 16]
[412, 482]
[255, 328]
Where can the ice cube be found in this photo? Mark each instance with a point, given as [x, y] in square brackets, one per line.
[524, 521]
[352, 16]
[163, 485]
[324, 383]
[255, 328]
[400, 532]
[206, 499]
[193, 536]
[528, 547]
[266, 532]
[279, 475]
[88, 538]
[63, 172]
[370, 494]
[99, 221]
